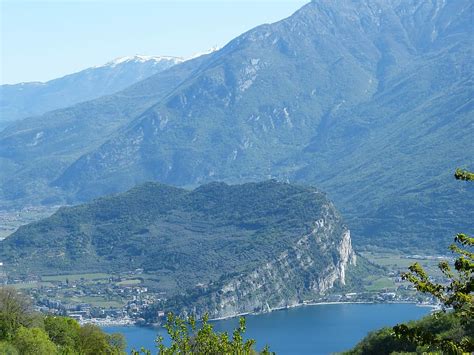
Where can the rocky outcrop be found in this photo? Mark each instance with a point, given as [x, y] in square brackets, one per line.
[226, 249]
[309, 268]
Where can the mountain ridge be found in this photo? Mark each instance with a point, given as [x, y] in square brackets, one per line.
[348, 96]
[22, 100]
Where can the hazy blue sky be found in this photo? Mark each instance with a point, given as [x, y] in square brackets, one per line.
[42, 40]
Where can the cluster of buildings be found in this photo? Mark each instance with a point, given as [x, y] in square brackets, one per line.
[122, 300]
[129, 313]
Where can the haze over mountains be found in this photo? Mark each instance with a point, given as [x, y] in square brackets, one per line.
[35, 98]
[370, 101]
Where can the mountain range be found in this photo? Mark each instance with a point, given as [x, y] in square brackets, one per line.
[23, 100]
[369, 100]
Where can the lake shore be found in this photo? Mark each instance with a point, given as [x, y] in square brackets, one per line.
[317, 304]
[306, 304]
[109, 322]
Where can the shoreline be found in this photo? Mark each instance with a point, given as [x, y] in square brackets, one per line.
[109, 322]
[130, 323]
[319, 304]
[289, 307]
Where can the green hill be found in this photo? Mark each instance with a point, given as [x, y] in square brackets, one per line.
[223, 242]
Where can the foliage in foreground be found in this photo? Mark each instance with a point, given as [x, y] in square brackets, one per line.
[187, 338]
[23, 331]
[450, 331]
[443, 326]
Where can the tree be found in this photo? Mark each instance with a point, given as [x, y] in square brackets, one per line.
[462, 174]
[8, 348]
[92, 340]
[64, 332]
[23, 331]
[456, 294]
[187, 338]
[15, 311]
[445, 325]
[117, 343]
[34, 341]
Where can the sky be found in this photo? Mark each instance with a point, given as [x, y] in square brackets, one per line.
[43, 40]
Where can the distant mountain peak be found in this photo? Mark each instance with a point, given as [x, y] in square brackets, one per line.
[209, 51]
[141, 59]
[138, 58]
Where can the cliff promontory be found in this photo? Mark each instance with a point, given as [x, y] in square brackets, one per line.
[221, 249]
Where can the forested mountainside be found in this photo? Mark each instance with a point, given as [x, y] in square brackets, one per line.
[35, 150]
[371, 101]
[23, 100]
[242, 248]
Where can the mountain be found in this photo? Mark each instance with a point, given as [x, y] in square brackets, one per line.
[34, 151]
[251, 247]
[35, 98]
[369, 100]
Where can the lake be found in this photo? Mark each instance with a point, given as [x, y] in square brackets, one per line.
[317, 329]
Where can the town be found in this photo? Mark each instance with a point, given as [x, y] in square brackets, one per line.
[109, 300]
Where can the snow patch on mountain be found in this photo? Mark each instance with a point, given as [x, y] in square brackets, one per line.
[153, 58]
[141, 59]
[209, 51]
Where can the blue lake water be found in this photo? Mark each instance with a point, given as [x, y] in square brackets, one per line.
[319, 329]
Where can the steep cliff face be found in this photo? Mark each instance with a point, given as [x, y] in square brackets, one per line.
[310, 267]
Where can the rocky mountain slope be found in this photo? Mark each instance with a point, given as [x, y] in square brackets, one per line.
[370, 100]
[22, 100]
[243, 248]
[34, 151]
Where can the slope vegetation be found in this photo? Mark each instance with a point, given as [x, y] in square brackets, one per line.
[244, 248]
[369, 100]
